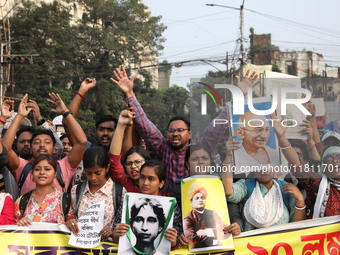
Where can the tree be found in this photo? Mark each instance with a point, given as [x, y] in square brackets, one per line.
[110, 33]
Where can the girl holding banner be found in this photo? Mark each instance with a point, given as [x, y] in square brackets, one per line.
[98, 187]
[151, 181]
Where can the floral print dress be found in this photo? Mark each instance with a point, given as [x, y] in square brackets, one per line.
[48, 211]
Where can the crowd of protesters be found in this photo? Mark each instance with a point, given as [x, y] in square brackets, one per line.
[45, 178]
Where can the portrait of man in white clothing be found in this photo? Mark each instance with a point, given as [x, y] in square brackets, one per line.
[259, 144]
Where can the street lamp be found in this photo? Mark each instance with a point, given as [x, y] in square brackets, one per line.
[241, 39]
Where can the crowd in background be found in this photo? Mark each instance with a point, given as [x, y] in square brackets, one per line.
[47, 178]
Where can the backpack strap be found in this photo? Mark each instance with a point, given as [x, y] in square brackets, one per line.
[79, 193]
[65, 203]
[117, 191]
[24, 201]
[60, 177]
[24, 174]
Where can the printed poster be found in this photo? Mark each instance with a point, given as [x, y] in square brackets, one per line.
[205, 214]
[149, 217]
[259, 149]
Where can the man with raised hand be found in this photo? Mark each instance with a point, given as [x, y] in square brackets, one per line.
[43, 142]
[171, 150]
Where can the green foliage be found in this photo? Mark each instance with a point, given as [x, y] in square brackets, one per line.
[111, 33]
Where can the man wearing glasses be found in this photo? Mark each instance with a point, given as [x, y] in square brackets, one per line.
[254, 151]
[171, 150]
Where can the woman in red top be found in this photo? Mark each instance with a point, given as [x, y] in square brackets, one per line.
[134, 158]
[6, 209]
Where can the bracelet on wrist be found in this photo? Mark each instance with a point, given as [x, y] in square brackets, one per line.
[67, 113]
[299, 208]
[40, 122]
[178, 244]
[81, 95]
[2, 122]
[285, 147]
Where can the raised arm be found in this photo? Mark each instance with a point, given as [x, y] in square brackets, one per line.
[124, 119]
[8, 140]
[6, 113]
[227, 176]
[74, 106]
[287, 150]
[215, 130]
[147, 130]
[77, 151]
[312, 150]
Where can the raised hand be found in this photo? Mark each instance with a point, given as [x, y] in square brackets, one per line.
[86, 85]
[22, 109]
[123, 82]
[307, 129]
[126, 117]
[279, 129]
[35, 108]
[231, 144]
[5, 109]
[249, 81]
[58, 102]
[310, 106]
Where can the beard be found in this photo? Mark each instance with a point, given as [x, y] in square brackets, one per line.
[26, 155]
[177, 147]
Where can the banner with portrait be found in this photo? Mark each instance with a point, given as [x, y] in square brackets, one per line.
[149, 217]
[205, 214]
[259, 149]
[316, 236]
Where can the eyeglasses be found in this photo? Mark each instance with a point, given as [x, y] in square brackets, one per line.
[258, 130]
[137, 163]
[330, 159]
[179, 130]
[102, 129]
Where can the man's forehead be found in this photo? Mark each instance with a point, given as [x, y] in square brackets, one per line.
[177, 124]
[25, 133]
[111, 124]
[42, 137]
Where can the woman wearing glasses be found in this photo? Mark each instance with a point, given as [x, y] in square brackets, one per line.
[134, 158]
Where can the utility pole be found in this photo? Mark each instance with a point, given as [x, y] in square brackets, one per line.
[242, 51]
[241, 39]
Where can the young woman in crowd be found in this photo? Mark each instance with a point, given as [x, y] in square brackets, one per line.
[267, 202]
[323, 188]
[151, 181]
[134, 158]
[98, 187]
[45, 203]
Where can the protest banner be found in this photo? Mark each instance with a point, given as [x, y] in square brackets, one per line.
[317, 236]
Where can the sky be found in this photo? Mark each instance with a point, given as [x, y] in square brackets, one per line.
[206, 33]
